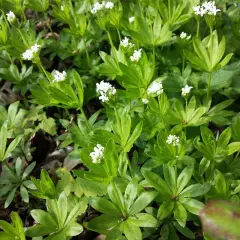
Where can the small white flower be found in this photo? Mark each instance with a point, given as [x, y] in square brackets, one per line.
[186, 90]
[11, 16]
[131, 19]
[97, 7]
[35, 48]
[98, 154]
[184, 35]
[136, 55]
[125, 43]
[62, 8]
[58, 76]
[206, 8]
[145, 101]
[30, 53]
[155, 88]
[173, 139]
[105, 90]
[109, 5]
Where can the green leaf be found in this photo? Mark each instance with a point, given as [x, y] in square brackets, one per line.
[79, 85]
[104, 206]
[165, 209]
[192, 205]
[131, 231]
[39, 230]
[180, 214]
[18, 224]
[18, 167]
[13, 145]
[184, 178]
[144, 220]
[157, 182]
[232, 148]
[220, 183]
[48, 125]
[74, 229]
[44, 218]
[184, 231]
[3, 141]
[130, 193]
[103, 222]
[8, 228]
[10, 197]
[224, 139]
[28, 170]
[136, 133]
[24, 194]
[196, 190]
[63, 205]
[142, 201]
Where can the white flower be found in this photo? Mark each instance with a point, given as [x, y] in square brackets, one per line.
[131, 19]
[206, 8]
[11, 16]
[145, 101]
[136, 55]
[186, 90]
[125, 43]
[105, 90]
[97, 7]
[62, 8]
[35, 48]
[155, 88]
[58, 76]
[98, 154]
[109, 5]
[183, 35]
[173, 139]
[30, 53]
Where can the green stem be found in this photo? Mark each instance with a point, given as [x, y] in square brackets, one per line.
[87, 55]
[85, 118]
[183, 62]
[110, 39]
[40, 66]
[9, 57]
[119, 35]
[198, 27]
[154, 56]
[209, 86]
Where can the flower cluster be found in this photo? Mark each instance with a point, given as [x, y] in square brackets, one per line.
[186, 90]
[156, 88]
[105, 90]
[125, 43]
[131, 19]
[137, 54]
[11, 16]
[58, 76]
[98, 154]
[30, 53]
[100, 6]
[206, 8]
[173, 139]
[184, 35]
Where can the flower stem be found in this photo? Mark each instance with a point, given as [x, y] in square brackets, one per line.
[198, 27]
[40, 66]
[119, 35]
[209, 86]
[85, 118]
[110, 39]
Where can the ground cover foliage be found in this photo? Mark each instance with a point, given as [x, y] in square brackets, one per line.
[119, 119]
